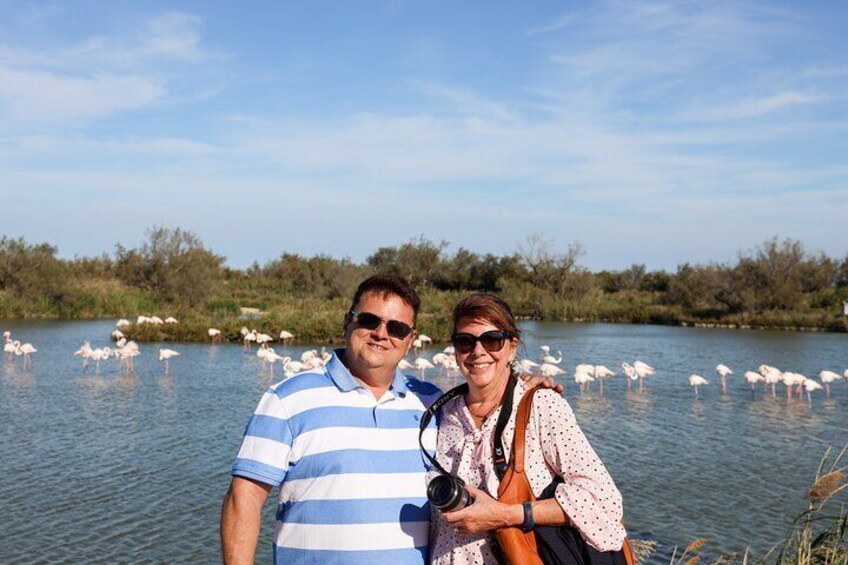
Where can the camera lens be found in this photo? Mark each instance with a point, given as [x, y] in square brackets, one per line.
[448, 493]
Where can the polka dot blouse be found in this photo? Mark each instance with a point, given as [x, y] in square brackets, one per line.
[554, 446]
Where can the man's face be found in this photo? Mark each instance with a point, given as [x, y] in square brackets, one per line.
[369, 350]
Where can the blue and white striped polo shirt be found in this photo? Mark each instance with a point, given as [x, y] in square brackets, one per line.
[351, 476]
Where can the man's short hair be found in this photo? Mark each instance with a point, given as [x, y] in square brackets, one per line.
[389, 284]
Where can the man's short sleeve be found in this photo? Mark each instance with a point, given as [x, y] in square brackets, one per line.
[266, 446]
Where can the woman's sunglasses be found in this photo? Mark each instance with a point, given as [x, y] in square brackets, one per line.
[491, 341]
[369, 321]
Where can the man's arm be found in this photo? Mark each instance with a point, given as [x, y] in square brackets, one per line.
[240, 518]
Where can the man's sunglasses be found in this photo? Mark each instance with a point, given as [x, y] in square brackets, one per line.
[369, 321]
[491, 341]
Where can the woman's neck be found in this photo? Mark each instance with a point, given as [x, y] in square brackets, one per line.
[488, 395]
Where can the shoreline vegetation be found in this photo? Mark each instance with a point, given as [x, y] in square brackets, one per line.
[776, 285]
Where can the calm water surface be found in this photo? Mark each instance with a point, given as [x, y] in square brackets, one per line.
[112, 468]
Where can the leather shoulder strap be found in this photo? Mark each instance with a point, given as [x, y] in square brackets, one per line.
[522, 418]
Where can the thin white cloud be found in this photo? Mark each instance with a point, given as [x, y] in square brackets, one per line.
[759, 106]
[105, 74]
[175, 35]
[36, 96]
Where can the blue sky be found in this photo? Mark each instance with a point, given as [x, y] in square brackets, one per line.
[650, 132]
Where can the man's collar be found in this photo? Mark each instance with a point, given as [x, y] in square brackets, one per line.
[344, 380]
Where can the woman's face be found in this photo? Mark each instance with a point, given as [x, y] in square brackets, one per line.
[480, 367]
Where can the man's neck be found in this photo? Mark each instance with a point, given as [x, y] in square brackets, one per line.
[378, 382]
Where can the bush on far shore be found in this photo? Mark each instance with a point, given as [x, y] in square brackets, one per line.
[777, 284]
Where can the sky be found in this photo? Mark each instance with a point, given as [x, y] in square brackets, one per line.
[649, 132]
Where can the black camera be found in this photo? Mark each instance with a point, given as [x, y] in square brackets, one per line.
[448, 493]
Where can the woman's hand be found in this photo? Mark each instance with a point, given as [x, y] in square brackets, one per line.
[485, 514]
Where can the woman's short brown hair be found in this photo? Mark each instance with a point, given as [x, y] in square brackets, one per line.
[488, 307]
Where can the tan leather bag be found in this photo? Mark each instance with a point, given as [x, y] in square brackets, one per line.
[519, 547]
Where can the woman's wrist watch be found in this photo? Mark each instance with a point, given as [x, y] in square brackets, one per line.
[529, 523]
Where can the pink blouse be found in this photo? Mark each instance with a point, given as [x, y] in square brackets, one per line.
[555, 446]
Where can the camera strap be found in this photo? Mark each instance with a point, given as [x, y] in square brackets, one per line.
[503, 417]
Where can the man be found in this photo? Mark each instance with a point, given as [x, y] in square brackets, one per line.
[342, 444]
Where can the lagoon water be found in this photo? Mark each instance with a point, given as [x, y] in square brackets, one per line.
[112, 468]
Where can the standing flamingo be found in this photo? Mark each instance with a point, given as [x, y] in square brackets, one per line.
[752, 379]
[811, 386]
[214, 334]
[165, 354]
[85, 353]
[723, 371]
[552, 360]
[550, 370]
[696, 381]
[583, 378]
[601, 373]
[828, 377]
[642, 370]
[629, 372]
[26, 350]
[422, 365]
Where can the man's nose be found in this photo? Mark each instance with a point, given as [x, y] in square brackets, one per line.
[381, 330]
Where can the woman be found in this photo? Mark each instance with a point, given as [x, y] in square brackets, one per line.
[486, 340]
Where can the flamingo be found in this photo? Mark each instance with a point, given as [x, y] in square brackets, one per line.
[98, 355]
[171, 320]
[441, 359]
[249, 338]
[293, 367]
[123, 322]
[629, 372]
[811, 386]
[583, 378]
[642, 370]
[550, 370]
[696, 381]
[10, 347]
[156, 320]
[753, 378]
[405, 365]
[771, 376]
[791, 379]
[551, 359]
[165, 354]
[85, 353]
[601, 373]
[26, 350]
[214, 334]
[284, 335]
[116, 335]
[127, 353]
[723, 371]
[422, 365]
[828, 377]
[526, 365]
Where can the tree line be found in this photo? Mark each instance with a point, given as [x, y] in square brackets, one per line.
[777, 283]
